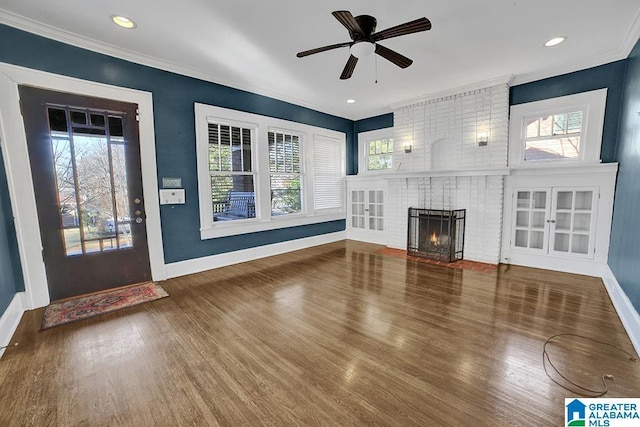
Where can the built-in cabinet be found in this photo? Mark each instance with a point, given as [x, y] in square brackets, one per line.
[366, 210]
[558, 221]
[559, 218]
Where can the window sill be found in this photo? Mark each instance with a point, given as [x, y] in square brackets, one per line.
[234, 228]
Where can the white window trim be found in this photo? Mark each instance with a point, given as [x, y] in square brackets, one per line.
[592, 104]
[363, 150]
[260, 158]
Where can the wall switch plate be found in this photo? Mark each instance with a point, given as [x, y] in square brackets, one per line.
[174, 196]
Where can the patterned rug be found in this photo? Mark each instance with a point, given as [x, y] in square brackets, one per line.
[72, 310]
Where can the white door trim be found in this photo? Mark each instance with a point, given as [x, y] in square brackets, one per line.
[14, 150]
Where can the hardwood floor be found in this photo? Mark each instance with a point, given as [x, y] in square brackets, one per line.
[333, 335]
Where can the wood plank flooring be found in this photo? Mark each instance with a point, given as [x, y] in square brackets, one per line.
[334, 335]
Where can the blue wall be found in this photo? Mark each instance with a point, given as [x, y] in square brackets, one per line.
[11, 280]
[624, 251]
[173, 98]
[365, 125]
[609, 76]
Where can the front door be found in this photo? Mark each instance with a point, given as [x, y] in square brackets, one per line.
[85, 162]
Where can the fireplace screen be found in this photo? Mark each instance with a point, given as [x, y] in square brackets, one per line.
[436, 234]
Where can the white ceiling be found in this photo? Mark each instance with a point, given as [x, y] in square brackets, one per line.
[252, 44]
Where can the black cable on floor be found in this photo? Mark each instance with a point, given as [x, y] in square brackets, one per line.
[587, 392]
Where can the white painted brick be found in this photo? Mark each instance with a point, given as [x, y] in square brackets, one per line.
[454, 121]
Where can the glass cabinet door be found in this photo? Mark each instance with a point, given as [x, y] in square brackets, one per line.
[376, 210]
[367, 210]
[531, 208]
[357, 209]
[573, 221]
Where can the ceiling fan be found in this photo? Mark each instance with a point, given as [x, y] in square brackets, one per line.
[364, 41]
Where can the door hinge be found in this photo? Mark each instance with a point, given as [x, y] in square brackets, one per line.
[137, 114]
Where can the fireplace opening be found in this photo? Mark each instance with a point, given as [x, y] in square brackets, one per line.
[436, 234]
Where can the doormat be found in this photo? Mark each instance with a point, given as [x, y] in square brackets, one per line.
[464, 264]
[72, 310]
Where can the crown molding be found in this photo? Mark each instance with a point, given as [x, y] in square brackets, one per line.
[629, 42]
[502, 80]
[67, 37]
[566, 68]
[632, 37]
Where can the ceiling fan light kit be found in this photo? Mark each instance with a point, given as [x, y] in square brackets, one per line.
[362, 49]
[364, 40]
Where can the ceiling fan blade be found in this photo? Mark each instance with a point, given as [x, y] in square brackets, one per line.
[393, 56]
[416, 26]
[322, 49]
[348, 69]
[346, 18]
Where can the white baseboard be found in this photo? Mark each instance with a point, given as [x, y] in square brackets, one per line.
[11, 319]
[197, 265]
[626, 311]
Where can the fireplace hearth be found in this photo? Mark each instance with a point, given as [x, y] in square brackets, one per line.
[436, 234]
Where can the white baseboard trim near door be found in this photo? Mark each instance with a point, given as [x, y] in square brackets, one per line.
[197, 265]
[11, 319]
[626, 311]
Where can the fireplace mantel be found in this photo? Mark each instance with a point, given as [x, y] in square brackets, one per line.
[433, 174]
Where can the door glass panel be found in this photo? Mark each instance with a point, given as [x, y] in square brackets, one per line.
[521, 238]
[523, 199]
[539, 199]
[536, 239]
[565, 200]
[78, 117]
[123, 223]
[582, 222]
[583, 200]
[91, 181]
[61, 148]
[563, 221]
[561, 242]
[580, 244]
[94, 191]
[522, 218]
[537, 219]
[357, 209]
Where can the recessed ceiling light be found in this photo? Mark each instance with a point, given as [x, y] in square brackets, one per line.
[554, 41]
[123, 21]
[350, 101]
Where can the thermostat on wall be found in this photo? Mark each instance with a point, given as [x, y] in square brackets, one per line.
[171, 182]
[174, 196]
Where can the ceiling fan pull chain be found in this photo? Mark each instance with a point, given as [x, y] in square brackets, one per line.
[375, 60]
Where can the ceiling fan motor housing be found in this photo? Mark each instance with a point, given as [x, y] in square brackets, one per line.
[367, 24]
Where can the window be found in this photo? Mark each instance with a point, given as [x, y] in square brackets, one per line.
[553, 136]
[230, 170]
[258, 173]
[284, 167]
[328, 175]
[559, 130]
[376, 148]
[380, 154]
